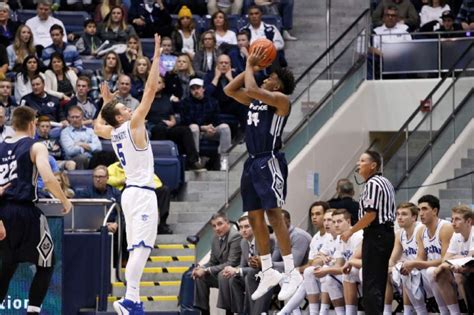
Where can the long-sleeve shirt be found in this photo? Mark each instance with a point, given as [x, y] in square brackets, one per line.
[70, 136]
[46, 105]
[466, 12]
[267, 31]
[40, 30]
[406, 12]
[200, 112]
[69, 52]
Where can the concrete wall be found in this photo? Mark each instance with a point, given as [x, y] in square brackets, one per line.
[334, 150]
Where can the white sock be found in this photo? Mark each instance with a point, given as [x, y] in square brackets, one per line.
[32, 308]
[340, 310]
[324, 309]
[443, 310]
[387, 309]
[454, 309]
[420, 309]
[134, 270]
[295, 301]
[289, 263]
[351, 309]
[266, 261]
[408, 310]
[296, 311]
[313, 308]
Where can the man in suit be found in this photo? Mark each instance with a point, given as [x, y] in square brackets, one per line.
[225, 251]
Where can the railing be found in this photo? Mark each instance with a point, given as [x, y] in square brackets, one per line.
[414, 150]
[428, 54]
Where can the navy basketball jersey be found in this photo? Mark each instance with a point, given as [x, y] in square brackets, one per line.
[16, 168]
[264, 128]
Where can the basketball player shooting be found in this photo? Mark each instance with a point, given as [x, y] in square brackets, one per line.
[263, 182]
[131, 145]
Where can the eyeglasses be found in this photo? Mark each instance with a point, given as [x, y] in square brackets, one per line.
[99, 176]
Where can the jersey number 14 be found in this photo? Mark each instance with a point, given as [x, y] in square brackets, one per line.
[253, 119]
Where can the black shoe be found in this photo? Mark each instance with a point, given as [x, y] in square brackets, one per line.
[164, 229]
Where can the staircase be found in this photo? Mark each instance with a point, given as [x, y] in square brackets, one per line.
[460, 191]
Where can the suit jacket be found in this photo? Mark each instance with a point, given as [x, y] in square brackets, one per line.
[228, 255]
[300, 240]
[244, 258]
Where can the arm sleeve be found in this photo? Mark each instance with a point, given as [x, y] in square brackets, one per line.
[67, 143]
[95, 143]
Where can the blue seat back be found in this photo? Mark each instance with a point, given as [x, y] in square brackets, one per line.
[80, 179]
[169, 170]
[164, 148]
[73, 20]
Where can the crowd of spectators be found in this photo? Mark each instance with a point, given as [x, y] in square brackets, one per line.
[43, 66]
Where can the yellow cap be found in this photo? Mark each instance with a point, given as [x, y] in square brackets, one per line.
[184, 11]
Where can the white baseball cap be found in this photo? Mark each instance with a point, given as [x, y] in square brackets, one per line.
[196, 81]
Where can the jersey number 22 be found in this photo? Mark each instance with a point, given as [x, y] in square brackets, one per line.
[7, 172]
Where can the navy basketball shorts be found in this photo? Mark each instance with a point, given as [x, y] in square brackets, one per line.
[28, 235]
[263, 182]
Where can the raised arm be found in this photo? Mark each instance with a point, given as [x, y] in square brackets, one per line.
[101, 128]
[237, 91]
[151, 87]
[271, 98]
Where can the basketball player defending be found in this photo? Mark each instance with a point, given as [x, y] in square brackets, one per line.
[132, 147]
[263, 183]
[23, 227]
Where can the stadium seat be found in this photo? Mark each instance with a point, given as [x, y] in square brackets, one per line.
[23, 15]
[91, 64]
[164, 148]
[148, 47]
[73, 20]
[169, 170]
[106, 145]
[80, 179]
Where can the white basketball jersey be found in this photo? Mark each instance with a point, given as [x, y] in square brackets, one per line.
[410, 246]
[432, 245]
[459, 246]
[137, 163]
[346, 249]
[329, 246]
[316, 244]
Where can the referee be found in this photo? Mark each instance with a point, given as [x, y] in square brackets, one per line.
[376, 216]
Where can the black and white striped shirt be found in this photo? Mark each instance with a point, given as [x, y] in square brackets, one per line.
[378, 195]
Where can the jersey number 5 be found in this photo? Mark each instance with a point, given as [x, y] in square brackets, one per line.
[253, 119]
[7, 172]
[120, 154]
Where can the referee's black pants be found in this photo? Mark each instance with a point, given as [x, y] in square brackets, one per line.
[376, 250]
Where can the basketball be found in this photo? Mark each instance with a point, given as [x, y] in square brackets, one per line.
[269, 51]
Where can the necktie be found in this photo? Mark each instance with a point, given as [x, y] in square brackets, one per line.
[252, 250]
[221, 242]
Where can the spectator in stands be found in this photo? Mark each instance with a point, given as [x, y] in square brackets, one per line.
[214, 83]
[140, 72]
[284, 8]
[82, 100]
[406, 13]
[117, 179]
[123, 92]
[78, 141]
[431, 12]
[220, 26]
[466, 15]
[185, 37]
[29, 69]
[60, 79]
[225, 251]
[177, 81]
[239, 56]
[150, 17]
[199, 7]
[7, 102]
[201, 113]
[391, 30]
[3, 61]
[63, 181]
[99, 189]
[448, 25]
[22, 46]
[41, 24]
[103, 10]
[111, 69]
[345, 199]
[8, 27]
[77, 5]
[258, 29]
[205, 59]
[227, 6]
[5, 131]
[167, 57]
[45, 104]
[69, 51]
[115, 28]
[134, 50]
[161, 123]
[300, 241]
[52, 144]
[88, 43]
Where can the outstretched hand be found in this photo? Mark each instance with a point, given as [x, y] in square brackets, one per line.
[105, 92]
[157, 52]
[256, 57]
